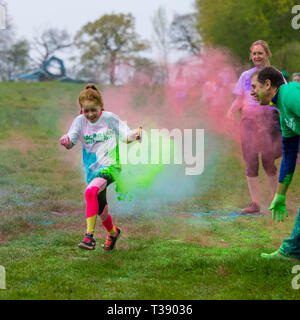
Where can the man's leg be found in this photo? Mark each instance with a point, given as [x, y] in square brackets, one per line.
[291, 246]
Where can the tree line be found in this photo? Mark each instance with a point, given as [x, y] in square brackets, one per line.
[235, 24]
[111, 44]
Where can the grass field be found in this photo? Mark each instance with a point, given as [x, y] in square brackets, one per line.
[170, 255]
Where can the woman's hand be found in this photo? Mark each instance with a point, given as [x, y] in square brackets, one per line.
[235, 106]
[230, 115]
[66, 142]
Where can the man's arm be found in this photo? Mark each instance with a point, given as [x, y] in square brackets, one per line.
[290, 147]
[282, 188]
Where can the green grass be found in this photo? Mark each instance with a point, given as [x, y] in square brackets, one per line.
[159, 256]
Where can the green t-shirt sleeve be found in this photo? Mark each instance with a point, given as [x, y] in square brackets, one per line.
[289, 106]
[293, 98]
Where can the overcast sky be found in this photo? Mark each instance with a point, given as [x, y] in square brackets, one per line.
[73, 14]
[31, 15]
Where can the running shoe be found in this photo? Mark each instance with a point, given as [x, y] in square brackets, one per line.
[88, 242]
[111, 240]
[276, 255]
[253, 208]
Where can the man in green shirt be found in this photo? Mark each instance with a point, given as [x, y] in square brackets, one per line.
[268, 88]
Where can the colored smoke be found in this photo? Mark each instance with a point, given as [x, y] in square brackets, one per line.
[197, 96]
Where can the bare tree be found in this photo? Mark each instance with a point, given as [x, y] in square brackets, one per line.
[161, 37]
[184, 35]
[3, 15]
[7, 36]
[49, 42]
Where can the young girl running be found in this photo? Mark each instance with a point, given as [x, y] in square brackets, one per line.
[99, 132]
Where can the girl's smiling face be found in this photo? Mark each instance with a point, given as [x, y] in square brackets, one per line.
[91, 111]
[259, 56]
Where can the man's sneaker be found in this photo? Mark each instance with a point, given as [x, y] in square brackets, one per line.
[88, 242]
[111, 240]
[276, 255]
[251, 209]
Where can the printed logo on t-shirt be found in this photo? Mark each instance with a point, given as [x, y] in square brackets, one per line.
[99, 137]
[290, 123]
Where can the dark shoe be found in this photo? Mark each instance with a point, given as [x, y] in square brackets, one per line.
[88, 242]
[111, 240]
[253, 208]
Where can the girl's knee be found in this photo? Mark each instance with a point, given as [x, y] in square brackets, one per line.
[91, 193]
[98, 182]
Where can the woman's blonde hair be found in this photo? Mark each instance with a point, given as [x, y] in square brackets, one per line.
[264, 45]
[91, 93]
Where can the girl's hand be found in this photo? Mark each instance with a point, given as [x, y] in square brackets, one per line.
[66, 142]
[135, 135]
[139, 134]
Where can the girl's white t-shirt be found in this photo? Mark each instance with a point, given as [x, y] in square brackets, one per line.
[100, 141]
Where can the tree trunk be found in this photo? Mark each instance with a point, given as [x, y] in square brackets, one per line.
[112, 70]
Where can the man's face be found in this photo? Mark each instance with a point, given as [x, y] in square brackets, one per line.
[261, 92]
[296, 78]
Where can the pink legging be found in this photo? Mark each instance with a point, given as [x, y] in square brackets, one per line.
[91, 196]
